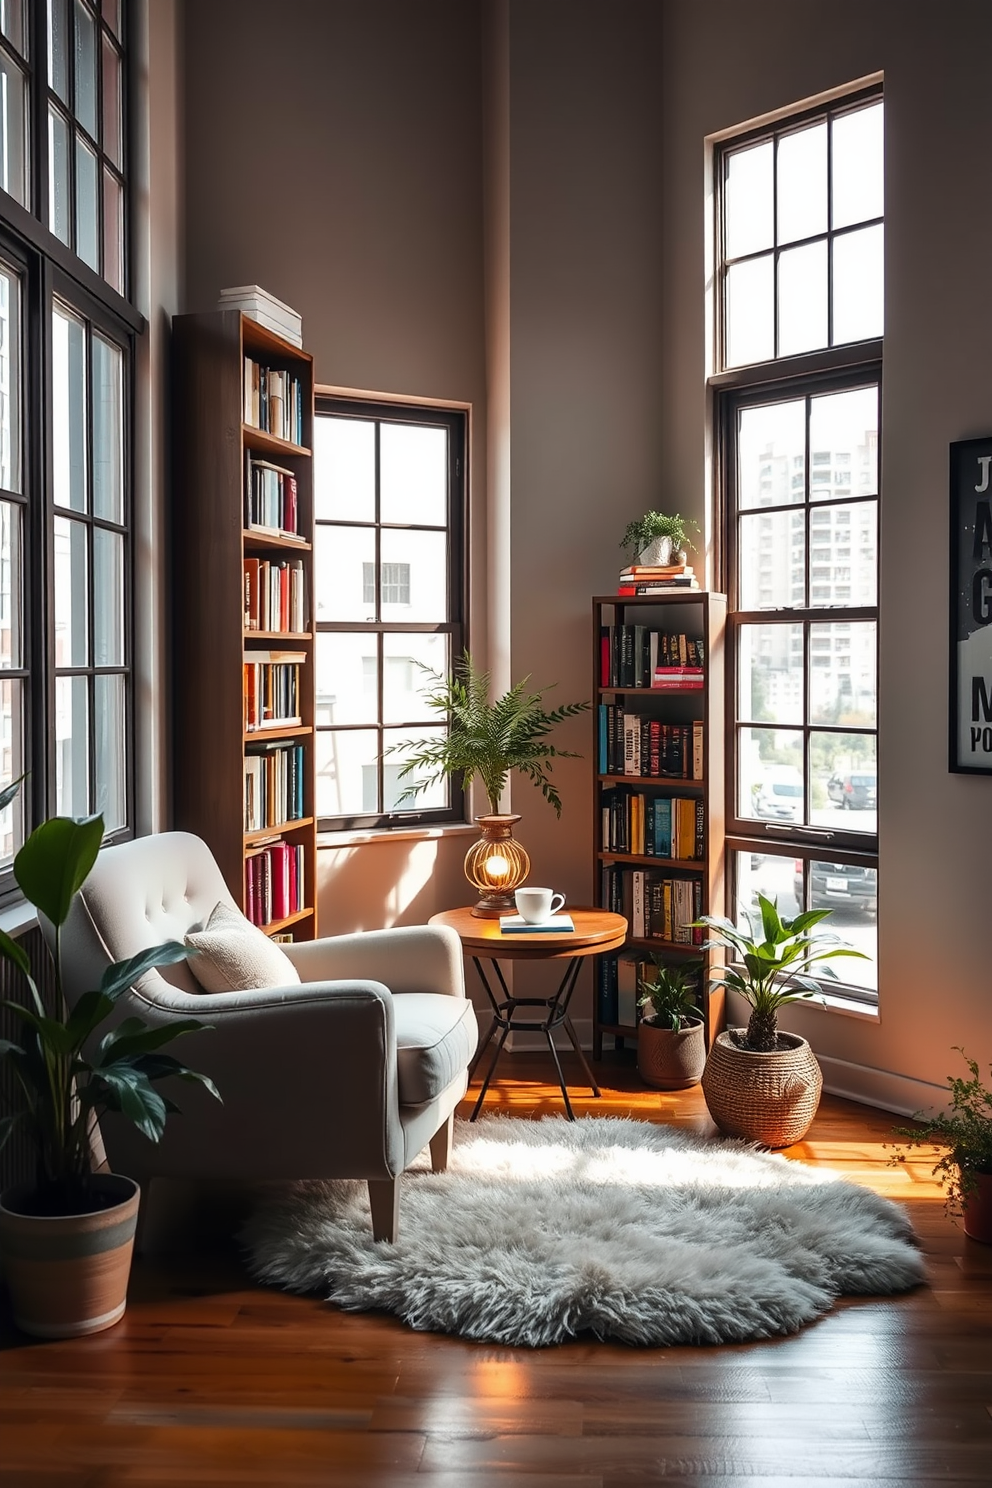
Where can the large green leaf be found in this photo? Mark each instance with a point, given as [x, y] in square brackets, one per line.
[134, 1037]
[127, 1090]
[123, 974]
[10, 791]
[87, 1015]
[55, 862]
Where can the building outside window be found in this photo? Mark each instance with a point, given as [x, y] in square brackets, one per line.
[389, 494]
[798, 401]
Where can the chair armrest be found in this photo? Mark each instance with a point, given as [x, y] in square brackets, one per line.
[410, 958]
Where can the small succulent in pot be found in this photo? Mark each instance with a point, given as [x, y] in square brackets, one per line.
[652, 525]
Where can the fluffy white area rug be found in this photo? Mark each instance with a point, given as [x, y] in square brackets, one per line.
[544, 1230]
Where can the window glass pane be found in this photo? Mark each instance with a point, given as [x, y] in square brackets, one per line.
[768, 874]
[771, 454]
[404, 682]
[71, 638]
[839, 535]
[85, 69]
[58, 175]
[770, 673]
[770, 778]
[340, 558]
[72, 797]
[858, 167]
[842, 683]
[111, 101]
[69, 409]
[112, 15]
[113, 232]
[13, 131]
[110, 751]
[11, 586]
[346, 767]
[87, 211]
[850, 892]
[770, 563]
[413, 464]
[750, 313]
[858, 285]
[108, 598]
[58, 48]
[12, 764]
[802, 299]
[13, 24]
[397, 791]
[344, 469]
[748, 200]
[414, 575]
[108, 436]
[10, 381]
[844, 781]
[347, 678]
[802, 184]
[843, 437]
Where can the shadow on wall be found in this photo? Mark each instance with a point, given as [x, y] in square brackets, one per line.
[375, 885]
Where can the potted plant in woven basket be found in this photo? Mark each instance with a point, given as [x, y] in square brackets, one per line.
[760, 1083]
[671, 1049]
[961, 1139]
[66, 1237]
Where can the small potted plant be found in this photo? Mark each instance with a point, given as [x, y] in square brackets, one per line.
[964, 1166]
[66, 1237]
[760, 1083]
[658, 539]
[671, 1050]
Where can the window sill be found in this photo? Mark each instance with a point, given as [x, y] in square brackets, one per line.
[17, 917]
[363, 836]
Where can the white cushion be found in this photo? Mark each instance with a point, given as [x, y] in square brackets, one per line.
[233, 955]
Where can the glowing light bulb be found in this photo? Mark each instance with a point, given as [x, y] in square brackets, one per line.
[497, 866]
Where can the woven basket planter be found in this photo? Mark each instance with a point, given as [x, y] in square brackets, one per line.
[667, 1060]
[767, 1098]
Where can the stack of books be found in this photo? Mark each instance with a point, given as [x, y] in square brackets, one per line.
[639, 578]
[259, 305]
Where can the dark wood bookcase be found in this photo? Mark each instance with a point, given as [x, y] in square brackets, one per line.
[210, 542]
[697, 614]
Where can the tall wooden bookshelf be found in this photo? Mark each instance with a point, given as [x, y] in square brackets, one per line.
[211, 539]
[697, 614]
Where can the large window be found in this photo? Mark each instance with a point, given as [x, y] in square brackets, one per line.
[389, 495]
[798, 399]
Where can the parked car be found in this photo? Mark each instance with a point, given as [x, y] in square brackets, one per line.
[779, 794]
[856, 791]
[834, 884]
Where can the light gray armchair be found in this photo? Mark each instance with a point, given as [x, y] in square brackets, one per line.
[349, 1075]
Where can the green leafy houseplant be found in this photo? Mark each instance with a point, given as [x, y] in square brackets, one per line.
[772, 969]
[670, 994]
[487, 739]
[655, 524]
[65, 1081]
[965, 1134]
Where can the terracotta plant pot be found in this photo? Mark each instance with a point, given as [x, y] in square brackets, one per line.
[976, 1212]
[68, 1274]
[667, 1060]
[767, 1098]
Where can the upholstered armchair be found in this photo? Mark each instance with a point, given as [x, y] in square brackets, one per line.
[349, 1073]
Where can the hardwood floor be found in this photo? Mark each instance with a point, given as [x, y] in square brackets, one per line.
[211, 1380]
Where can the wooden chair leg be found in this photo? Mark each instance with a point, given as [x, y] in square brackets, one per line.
[441, 1145]
[384, 1201]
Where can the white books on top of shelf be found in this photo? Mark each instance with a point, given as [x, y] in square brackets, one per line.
[261, 306]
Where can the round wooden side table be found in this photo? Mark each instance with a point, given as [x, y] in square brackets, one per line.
[596, 932]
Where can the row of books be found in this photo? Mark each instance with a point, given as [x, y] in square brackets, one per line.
[274, 777]
[272, 688]
[635, 744]
[273, 401]
[270, 498]
[657, 907]
[618, 981]
[275, 597]
[636, 656]
[274, 882]
[653, 826]
[639, 578]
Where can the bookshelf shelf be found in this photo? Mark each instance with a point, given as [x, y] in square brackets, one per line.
[677, 729]
[217, 358]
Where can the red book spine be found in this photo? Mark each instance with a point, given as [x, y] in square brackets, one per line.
[280, 881]
[294, 903]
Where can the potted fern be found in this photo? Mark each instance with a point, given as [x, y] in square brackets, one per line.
[961, 1140]
[758, 1082]
[658, 539]
[489, 740]
[66, 1236]
[671, 1050]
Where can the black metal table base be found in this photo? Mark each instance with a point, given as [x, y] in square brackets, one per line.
[556, 1016]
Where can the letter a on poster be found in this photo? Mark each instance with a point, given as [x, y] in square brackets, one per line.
[970, 733]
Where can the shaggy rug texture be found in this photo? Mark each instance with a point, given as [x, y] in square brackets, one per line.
[544, 1230]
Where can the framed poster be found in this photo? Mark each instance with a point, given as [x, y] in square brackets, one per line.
[971, 607]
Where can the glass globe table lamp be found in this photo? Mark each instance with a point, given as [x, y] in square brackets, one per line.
[496, 866]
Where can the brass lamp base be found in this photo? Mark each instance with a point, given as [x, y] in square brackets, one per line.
[496, 866]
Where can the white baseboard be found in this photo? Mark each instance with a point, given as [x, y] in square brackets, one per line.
[901, 1094]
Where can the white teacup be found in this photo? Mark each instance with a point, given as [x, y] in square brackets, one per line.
[537, 905]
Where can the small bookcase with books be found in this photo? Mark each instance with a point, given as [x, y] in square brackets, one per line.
[243, 607]
[659, 789]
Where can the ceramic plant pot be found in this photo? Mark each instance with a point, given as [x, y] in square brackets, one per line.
[976, 1212]
[68, 1274]
[767, 1098]
[657, 553]
[667, 1060]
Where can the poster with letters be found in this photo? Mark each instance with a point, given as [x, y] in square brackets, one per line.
[971, 607]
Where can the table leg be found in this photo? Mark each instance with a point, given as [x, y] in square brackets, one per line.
[567, 1024]
[489, 1073]
[561, 1078]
